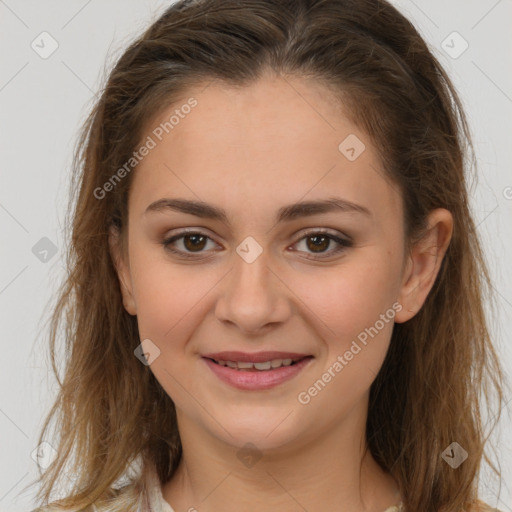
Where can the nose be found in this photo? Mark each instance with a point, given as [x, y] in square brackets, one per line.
[253, 296]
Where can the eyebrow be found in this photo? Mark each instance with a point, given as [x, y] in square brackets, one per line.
[284, 214]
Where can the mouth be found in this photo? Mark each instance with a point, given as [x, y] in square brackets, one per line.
[251, 366]
[257, 371]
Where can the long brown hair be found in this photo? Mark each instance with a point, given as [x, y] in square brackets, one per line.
[441, 370]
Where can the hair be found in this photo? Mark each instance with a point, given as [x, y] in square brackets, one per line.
[441, 372]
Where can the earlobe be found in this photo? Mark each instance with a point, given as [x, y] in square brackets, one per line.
[123, 271]
[424, 262]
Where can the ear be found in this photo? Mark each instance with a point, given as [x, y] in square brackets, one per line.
[423, 264]
[123, 270]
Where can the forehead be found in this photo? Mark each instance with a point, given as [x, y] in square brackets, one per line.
[274, 114]
[278, 139]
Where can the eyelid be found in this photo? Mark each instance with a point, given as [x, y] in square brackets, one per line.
[327, 231]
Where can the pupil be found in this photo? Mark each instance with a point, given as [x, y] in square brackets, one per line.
[195, 244]
[317, 242]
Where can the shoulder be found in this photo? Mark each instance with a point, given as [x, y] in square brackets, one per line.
[117, 506]
[476, 506]
[55, 508]
[127, 499]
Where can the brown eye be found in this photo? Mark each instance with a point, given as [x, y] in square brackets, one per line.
[194, 242]
[187, 244]
[191, 244]
[318, 243]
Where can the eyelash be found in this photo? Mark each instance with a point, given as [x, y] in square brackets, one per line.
[343, 243]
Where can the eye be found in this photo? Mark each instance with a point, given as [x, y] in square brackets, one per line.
[319, 241]
[191, 241]
[194, 242]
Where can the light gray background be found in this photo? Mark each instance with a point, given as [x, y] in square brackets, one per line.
[44, 101]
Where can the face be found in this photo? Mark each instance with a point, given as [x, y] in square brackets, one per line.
[251, 272]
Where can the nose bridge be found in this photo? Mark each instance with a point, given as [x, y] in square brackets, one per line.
[251, 296]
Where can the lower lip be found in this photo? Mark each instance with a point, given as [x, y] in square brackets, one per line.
[259, 379]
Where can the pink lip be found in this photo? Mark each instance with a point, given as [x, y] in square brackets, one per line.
[256, 379]
[256, 357]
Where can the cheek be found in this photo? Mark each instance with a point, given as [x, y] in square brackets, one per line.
[353, 311]
[167, 295]
[169, 306]
[352, 296]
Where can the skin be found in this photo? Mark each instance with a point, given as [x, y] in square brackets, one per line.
[251, 151]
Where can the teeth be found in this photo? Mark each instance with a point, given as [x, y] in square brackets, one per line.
[266, 365]
[263, 366]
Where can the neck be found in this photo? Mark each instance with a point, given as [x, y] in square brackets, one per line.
[332, 471]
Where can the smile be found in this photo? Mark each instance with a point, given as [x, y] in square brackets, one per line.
[252, 366]
[257, 375]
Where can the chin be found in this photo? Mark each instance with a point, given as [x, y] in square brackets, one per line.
[266, 433]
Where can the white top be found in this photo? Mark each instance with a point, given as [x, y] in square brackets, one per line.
[156, 501]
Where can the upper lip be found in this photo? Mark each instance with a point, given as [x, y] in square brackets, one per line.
[256, 357]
